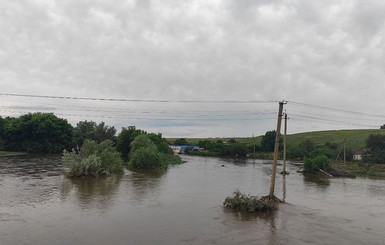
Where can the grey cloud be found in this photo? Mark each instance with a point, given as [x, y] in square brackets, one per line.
[265, 50]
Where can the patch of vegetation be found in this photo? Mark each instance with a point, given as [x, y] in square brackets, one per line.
[145, 155]
[93, 160]
[246, 203]
[370, 170]
[313, 164]
[35, 133]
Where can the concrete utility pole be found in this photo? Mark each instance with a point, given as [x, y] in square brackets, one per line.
[254, 147]
[276, 148]
[345, 150]
[284, 146]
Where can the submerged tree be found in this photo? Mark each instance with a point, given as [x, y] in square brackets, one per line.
[144, 154]
[125, 138]
[93, 160]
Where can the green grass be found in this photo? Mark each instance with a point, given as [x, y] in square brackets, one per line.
[355, 139]
[361, 169]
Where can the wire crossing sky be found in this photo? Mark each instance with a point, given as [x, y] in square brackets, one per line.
[196, 68]
[122, 113]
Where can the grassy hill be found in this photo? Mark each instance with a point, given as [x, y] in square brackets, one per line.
[355, 139]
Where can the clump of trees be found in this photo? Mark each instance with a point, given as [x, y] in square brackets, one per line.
[375, 149]
[308, 149]
[316, 163]
[93, 160]
[96, 150]
[92, 131]
[220, 149]
[181, 141]
[268, 141]
[35, 133]
[147, 154]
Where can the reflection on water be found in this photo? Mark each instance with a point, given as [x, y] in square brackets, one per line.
[284, 187]
[183, 205]
[236, 161]
[320, 182]
[91, 192]
[144, 184]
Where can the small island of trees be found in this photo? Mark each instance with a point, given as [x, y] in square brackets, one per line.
[90, 149]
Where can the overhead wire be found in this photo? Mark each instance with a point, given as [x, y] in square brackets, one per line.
[136, 100]
[195, 115]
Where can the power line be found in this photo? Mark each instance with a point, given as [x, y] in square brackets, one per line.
[127, 117]
[336, 109]
[366, 118]
[334, 121]
[136, 100]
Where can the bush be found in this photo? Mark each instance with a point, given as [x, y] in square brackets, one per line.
[93, 160]
[167, 159]
[145, 154]
[142, 141]
[145, 158]
[246, 203]
[318, 162]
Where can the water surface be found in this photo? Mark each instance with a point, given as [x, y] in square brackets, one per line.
[183, 205]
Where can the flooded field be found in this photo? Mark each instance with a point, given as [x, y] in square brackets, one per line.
[183, 206]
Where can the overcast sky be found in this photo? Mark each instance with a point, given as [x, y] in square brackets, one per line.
[321, 52]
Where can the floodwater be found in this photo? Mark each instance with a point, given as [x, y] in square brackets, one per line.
[183, 205]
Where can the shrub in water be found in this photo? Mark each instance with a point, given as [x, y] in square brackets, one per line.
[93, 160]
[319, 162]
[145, 155]
[145, 158]
[246, 203]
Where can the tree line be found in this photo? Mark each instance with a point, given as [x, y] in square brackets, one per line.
[47, 133]
[231, 148]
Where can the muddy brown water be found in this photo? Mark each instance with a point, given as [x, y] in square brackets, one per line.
[183, 205]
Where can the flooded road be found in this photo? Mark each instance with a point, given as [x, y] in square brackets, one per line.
[183, 205]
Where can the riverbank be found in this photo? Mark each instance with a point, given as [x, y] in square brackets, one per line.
[360, 169]
[9, 153]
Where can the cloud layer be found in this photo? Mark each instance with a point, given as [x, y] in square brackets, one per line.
[319, 52]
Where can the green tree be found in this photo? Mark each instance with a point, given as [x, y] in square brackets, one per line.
[375, 145]
[234, 150]
[232, 141]
[93, 160]
[181, 141]
[160, 142]
[145, 158]
[37, 132]
[315, 163]
[92, 131]
[125, 138]
[268, 141]
[144, 154]
[2, 133]
[142, 141]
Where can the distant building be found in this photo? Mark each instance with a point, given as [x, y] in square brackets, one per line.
[357, 155]
[179, 149]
